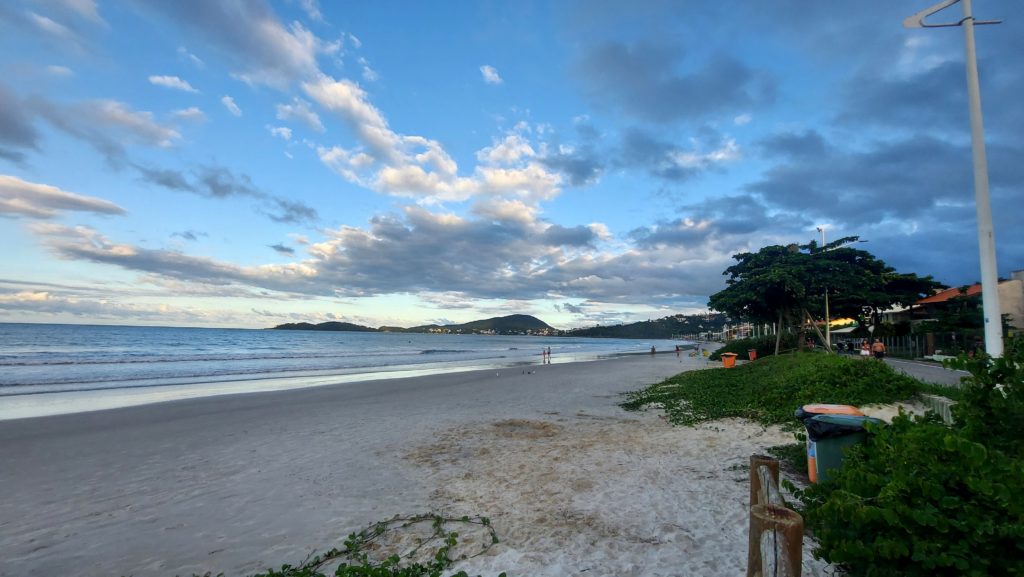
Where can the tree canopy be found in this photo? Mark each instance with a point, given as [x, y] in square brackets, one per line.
[782, 283]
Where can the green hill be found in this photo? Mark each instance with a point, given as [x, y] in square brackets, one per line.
[664, 328]
[507, 325]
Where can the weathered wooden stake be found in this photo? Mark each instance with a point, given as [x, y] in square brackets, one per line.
[756, 483]
[776, 542]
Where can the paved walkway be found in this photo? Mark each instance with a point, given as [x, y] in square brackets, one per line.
[927, 372]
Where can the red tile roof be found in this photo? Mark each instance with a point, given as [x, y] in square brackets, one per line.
[941, 297]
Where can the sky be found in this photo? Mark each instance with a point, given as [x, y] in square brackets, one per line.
[245, 163]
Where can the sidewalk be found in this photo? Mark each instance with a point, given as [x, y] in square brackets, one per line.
[927, 372]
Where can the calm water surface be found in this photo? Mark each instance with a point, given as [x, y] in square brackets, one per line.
[59, 363]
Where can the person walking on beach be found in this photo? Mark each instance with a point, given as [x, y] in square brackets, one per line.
[878, 349]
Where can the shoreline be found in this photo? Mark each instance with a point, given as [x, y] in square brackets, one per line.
[240, 483]
[32, 404]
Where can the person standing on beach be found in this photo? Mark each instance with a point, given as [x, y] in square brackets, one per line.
[865, 349]
[878, 349]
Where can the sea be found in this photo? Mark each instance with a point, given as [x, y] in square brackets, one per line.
[48, 369]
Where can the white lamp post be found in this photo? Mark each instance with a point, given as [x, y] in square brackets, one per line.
[986, 234]
[828, 323]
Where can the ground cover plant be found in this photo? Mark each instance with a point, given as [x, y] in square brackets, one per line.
[769, 390]
[921, 498]
[763, 345]
[424, 545]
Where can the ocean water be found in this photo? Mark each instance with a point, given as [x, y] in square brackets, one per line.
[50, 369]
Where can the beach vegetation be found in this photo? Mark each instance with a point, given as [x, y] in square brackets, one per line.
[770, 390]
[763, 345]
[923, 498]
[424, 545]
[787, 285]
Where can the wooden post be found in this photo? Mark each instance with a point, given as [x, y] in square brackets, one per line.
[775, 547]
[756, 462]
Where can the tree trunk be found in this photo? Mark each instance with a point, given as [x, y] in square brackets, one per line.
[778, 335]
[801, 337]
[817, 330]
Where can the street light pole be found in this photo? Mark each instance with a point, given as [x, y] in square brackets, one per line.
[828, 323]
[986, 232]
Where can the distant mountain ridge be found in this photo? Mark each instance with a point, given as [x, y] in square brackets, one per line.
[507, 325]
[664, 328]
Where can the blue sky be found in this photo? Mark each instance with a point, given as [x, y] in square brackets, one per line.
[248, 163]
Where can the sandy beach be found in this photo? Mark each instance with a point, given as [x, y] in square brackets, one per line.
[236, 484]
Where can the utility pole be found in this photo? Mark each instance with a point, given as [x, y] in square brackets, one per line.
[986, 233]
[828, 323]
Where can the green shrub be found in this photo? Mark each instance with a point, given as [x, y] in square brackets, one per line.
[920, 499]
[764, 345]
[991, 407]
[769, 390]
[793, 456]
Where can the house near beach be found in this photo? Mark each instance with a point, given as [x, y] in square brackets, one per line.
[1011, 303]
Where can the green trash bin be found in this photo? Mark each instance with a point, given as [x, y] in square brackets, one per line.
[832, 435]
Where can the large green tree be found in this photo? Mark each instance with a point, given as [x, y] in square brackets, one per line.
[786, 283]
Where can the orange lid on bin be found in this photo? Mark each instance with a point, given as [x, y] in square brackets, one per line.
[728, 355]
[826, 409]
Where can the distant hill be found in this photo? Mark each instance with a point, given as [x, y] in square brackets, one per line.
[507, 325]
[687, 326]
[328, 326]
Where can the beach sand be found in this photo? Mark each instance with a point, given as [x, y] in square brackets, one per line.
[573, 484]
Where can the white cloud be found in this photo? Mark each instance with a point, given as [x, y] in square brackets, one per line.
[185, 54]
[728, 151]
[282, 132]
[300, 111]
[510, 150]
[172, 82]
[192, 114]
[349, 101]
[51, 26]
[229, 103]
[263, 50]
[295, 49]
[137, 123]
[86, 9]
[20, 197]
[55, 70]
[742, 119]
[414, 166]
[490, 74]
[312, 9]
[369, 74]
